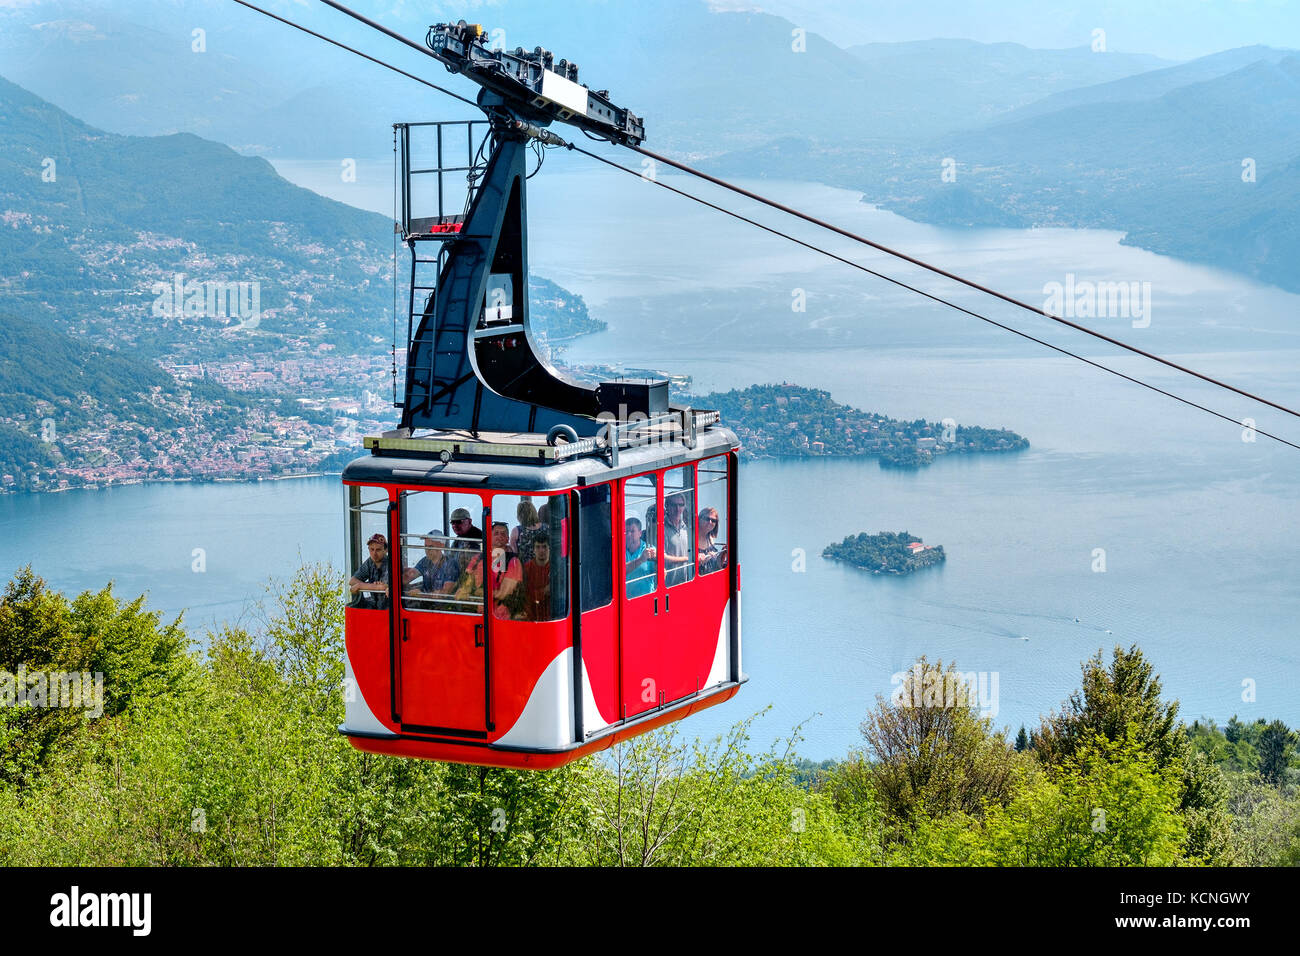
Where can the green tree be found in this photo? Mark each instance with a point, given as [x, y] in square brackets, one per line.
[1265, 823]
[485, 816]
[1022, 740]
[1275, 743]
[660, 800]
[1232, 748]
[1110, 699]
[929, 748]
[1107, 805]
[115, 647]
[1124, 701]
[1233, 730]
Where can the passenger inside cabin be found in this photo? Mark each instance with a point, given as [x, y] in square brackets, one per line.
[438, 572]
[677, 557]
[469, 588]
[537, 579]
[468, 550]
[544, 518]
[369, 585]
[507, 576]
[712, 557]
[529, 521]
[639, 560]
[464, 526]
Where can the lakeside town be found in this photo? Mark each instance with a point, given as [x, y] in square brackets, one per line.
[205, 439]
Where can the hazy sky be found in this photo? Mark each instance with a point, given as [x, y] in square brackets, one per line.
[1175, 29]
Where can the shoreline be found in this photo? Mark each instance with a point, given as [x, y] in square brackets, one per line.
[175, 481]
[765, 456]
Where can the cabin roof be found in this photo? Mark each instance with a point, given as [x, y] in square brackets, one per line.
[470, 470]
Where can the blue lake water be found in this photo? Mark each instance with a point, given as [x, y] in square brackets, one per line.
[1199, 528]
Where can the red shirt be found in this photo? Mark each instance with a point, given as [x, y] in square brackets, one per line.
[537, 591]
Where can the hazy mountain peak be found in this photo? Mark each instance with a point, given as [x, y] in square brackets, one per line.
[1152, 84]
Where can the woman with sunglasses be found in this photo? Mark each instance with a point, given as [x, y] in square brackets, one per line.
[712, 557]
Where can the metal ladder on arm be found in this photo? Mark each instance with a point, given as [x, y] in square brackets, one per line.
[456, 320]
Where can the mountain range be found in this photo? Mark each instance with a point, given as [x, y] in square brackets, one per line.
[1203, 171]
[1190, 159]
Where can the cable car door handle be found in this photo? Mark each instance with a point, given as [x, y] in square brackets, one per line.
[406, 630]
[666, 597]
[656, 607]
[478, 635]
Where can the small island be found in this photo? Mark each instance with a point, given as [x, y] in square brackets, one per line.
[886, 553]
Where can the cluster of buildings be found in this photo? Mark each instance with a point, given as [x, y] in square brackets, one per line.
[295, 376]
[264, 441]
[793, 421]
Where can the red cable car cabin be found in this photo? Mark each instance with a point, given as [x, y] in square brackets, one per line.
[539, 568]
[539, 652]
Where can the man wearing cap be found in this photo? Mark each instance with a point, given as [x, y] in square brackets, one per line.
[463, 525]
[469, 547]
[369, 586]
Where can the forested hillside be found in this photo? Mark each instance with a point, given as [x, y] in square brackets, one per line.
[175, 310]
[232, 757]
[61, 398]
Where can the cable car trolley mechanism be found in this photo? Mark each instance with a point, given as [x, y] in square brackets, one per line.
[539, 569]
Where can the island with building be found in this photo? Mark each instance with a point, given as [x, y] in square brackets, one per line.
[793, 421]
[889, 552]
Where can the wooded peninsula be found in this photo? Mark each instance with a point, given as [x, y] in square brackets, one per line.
[792, 421]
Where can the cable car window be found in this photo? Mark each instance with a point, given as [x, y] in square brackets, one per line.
[530, 557]
[367, 542]
[711, 519]
[442, 570]
[640, 558]
[678, 552]
[597, 550]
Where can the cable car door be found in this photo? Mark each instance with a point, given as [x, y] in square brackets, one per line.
[641, 676]
[442, 628]
[600, 541]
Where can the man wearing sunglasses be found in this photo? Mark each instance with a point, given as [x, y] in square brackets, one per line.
[679, 561]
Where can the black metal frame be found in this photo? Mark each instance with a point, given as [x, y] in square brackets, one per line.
[516, 82]
[394, 638]
[459, 375]
[409, 222]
